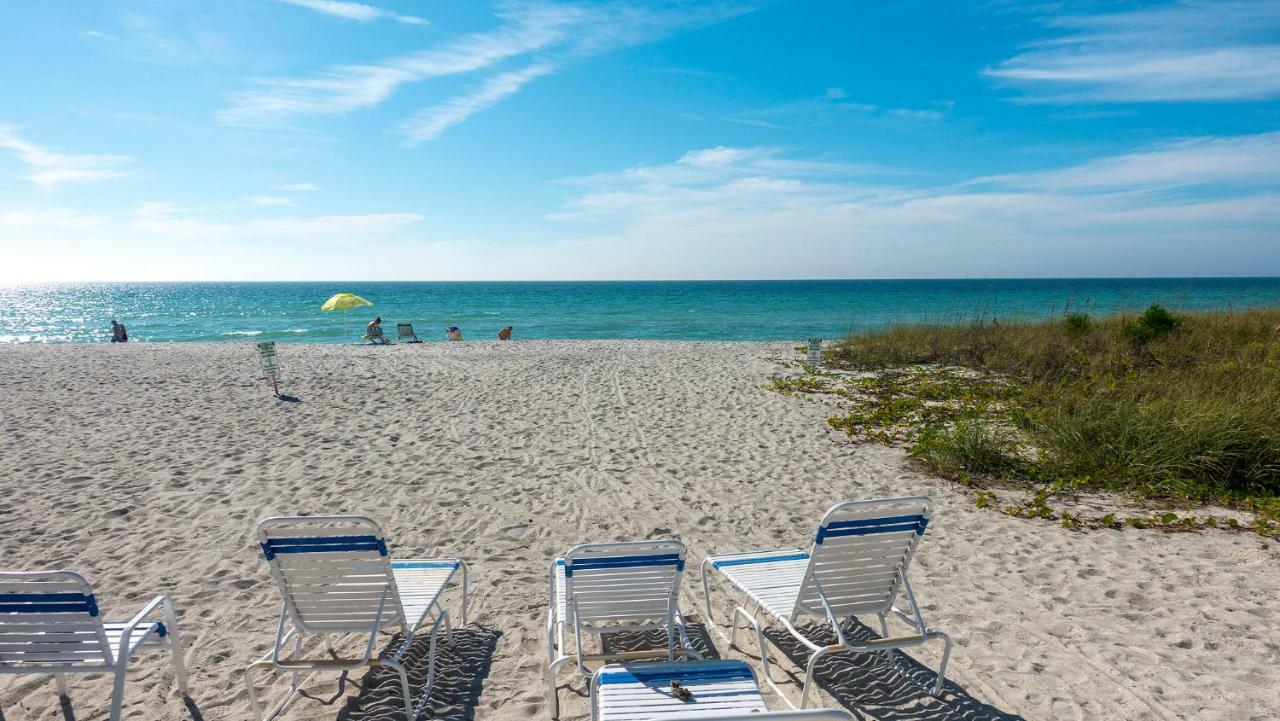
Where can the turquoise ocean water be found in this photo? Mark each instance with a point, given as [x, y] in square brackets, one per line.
[678, 310]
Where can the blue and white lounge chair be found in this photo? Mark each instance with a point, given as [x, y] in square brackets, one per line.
[857, 565]
[713, 690]
[336, 578]
[50, 623]
[603, 588]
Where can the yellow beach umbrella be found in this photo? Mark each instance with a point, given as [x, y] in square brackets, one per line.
[344, 301]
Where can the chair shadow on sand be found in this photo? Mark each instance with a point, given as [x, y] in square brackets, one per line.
[867, 684]
[460, 674]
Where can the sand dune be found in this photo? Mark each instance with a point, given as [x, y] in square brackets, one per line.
[147, 467]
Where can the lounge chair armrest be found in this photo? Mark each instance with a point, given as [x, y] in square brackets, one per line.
[147, 610]
[138, 619]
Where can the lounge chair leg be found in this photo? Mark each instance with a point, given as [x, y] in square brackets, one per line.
[117, 688]
[884, 633]
[175, 646]
[404, 688]
[61, 679]
[553, 694]
[808, 674]
[946, 656]
[465, 583]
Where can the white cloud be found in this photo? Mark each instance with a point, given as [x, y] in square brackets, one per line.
[48, 169]
[1184, 51]
[559, 33]
[429, 123]
[267, 201]
[833, 106]
[298, 187]
[754, 212]
[359, 12]
[1241, 161]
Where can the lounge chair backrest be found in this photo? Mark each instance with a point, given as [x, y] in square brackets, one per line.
[617, 582]
[333, 572]
[50, 618]
[860, 556]
[404, 330]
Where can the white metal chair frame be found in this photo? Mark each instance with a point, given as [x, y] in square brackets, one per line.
[921, 632]
[361, 534]
[593, 556]
[50, 623]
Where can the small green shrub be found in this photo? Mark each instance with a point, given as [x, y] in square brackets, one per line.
[1155, 322]
[971, 447]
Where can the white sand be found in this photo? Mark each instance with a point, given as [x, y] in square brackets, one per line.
[146, 468]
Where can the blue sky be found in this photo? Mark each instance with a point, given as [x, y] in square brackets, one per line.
[407, 139]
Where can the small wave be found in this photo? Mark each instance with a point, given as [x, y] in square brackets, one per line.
[296, 330]
[243, 332]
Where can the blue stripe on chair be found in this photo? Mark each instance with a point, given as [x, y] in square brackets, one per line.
[758, 559]
[323, 544]
[48, 603]
[865, 526]
[725, 672]
[586, 564]
[423, 564]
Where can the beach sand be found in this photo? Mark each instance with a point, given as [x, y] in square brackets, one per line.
[146, 468]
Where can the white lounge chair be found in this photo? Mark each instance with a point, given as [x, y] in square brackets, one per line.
[857, 565]
[603, 588]
[717, 691]
[336, 578]
[50, 623]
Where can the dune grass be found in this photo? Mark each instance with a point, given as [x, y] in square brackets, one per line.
[1158, 404]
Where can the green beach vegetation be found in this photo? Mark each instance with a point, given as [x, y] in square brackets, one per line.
[1157, 405]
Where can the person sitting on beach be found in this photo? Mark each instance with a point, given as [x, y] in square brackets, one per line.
[373, 332]
[505, 333]
[453, 333]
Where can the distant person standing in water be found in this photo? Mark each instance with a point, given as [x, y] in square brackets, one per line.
[453, 333]
[505, 333]
[118, 333]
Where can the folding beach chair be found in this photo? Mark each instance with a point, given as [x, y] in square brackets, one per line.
[857, 565]
[603, 588]
[405, 330]
[336, 578]
[706, 691]
[50, 623]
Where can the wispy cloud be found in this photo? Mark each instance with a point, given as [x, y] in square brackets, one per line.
[359, 12]
[268, 201]
[725, 210]
[298, 187]
[1244, 161]
[429, 123]
[547, 35]
[832, 106]
[1184, 51]
[48, 169]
